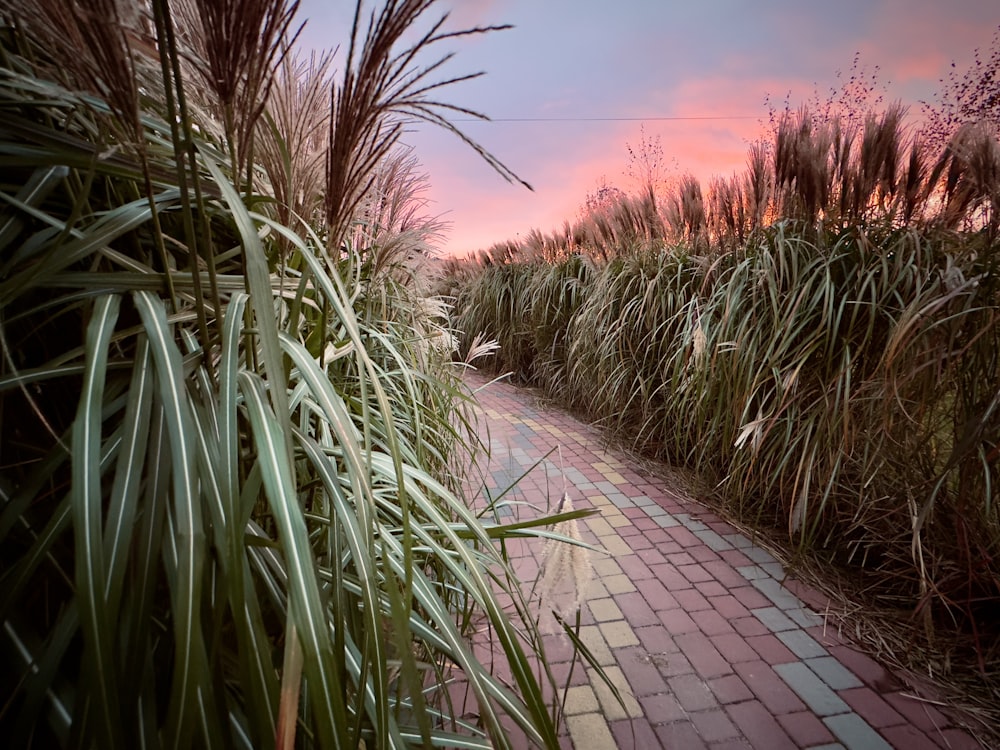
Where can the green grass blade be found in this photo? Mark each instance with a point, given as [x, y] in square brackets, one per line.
[125, 491]
[261, 293]
[87, 506]
[363, 558]
[326, 688]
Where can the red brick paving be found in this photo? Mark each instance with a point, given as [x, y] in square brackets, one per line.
[759, 726]
[768, 687]
[686, 636]
[730, 689]
[910, 738]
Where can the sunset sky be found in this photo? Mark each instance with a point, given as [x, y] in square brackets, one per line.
[575, 80]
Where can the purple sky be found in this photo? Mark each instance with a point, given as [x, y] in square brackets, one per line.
[569, 60]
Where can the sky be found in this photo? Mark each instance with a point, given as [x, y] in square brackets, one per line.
[576, 82]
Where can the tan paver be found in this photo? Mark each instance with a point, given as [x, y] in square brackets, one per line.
[602, 528]
[604, 610]
[591, 731]
[614, 545]
[606, 566]
[617, 584]
[628, 708]
[618, 520]
[581, 699]
[593, 639]
[618, 634]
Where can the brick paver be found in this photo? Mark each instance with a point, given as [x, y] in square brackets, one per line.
[708, 642]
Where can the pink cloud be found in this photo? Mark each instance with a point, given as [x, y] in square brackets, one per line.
[566, 161]
[912, 41]
[920, 38]
[466, 13]
[485, 211]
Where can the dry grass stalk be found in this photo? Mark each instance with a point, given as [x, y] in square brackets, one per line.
[685, 210]
[802, 167]
[565, 569]
[728, 210]
[291, 137]
[912, 197]
[759, 185]
[235, 48]
[392, 222]
[967, 178]
[95, 46]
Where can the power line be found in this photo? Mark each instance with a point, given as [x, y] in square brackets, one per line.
[606, 119]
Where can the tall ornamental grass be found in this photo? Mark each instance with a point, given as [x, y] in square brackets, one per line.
[496, 304]
[557, 293]
[230, 426]
[844, 388]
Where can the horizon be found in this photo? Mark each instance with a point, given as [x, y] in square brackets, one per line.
[573, 84]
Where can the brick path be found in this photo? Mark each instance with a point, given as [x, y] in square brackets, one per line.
[696, 625]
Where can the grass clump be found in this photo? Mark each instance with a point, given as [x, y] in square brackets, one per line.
[824, 353]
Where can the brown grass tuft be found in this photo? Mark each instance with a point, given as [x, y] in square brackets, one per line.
[382, 88]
